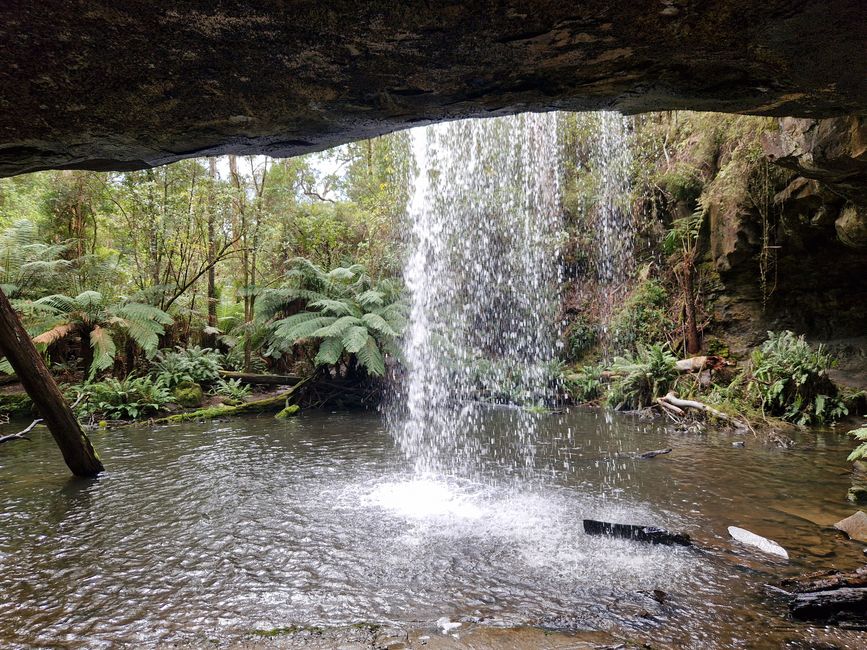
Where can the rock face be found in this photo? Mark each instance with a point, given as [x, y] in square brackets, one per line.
[815, 230]
[126, 85]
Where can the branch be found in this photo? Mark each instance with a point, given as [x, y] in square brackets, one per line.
[672, 400]
[21, 435]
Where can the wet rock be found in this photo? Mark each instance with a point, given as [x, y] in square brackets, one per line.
[857, 494]
[855, 526]
[649, 534]
[764, 544]
[739, 443]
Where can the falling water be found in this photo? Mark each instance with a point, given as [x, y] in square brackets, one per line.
[484, 276]
[612, 158]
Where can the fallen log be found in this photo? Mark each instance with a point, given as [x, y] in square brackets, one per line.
[261, 380]
[825, 580]
[697, 364]
[670, 399]
[832, 605]
[829, 597]
[648, 534]
[276, 402]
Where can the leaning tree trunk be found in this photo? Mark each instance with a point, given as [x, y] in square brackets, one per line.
[43, 390]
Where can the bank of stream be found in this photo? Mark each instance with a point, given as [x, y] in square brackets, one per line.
[255, 531]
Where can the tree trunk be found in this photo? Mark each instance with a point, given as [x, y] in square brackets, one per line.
[693, 342]
[43, 390]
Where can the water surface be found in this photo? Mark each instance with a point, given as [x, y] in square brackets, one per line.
[209, 531]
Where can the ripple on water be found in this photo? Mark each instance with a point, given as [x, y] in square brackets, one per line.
[205, 530]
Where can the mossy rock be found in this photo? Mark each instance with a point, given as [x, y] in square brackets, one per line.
[288, 412]
[189, 394]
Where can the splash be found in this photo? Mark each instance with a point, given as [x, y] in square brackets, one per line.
[484, 277]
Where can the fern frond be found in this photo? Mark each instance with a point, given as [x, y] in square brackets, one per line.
[330, 351]
[355, 338]
[337, 328]
[371, 358]
[54, 334]
[104, 349]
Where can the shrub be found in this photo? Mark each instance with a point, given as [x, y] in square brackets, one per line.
[129, 398]
[581, 337]
[193, 364]
[790, 380]
[642, 319]
[640, 379]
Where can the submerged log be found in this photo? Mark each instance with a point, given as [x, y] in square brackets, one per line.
[653, 454]
[75, 446]
[649, 534]
[261, 380]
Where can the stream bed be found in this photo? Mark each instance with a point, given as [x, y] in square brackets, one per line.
[207, 533]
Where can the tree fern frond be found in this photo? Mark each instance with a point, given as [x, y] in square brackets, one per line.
[355, 338]
[335, 307]
[337, 328]
[371, 298]
[330, 351]
[104, 349]
[371, 358]
[54, 334]
[378, 324]
[301, 329]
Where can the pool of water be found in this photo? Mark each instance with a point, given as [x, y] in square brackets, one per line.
[202, 532]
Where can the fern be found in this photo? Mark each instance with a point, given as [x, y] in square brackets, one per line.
[344, 313]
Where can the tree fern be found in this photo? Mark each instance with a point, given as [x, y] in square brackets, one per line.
[344, 312]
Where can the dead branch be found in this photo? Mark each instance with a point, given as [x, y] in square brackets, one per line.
[21, 435]
[671, 399]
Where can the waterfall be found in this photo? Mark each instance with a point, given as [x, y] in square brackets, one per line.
[483, 275]
[615, 232]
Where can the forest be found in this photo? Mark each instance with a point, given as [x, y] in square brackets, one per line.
[169, 288]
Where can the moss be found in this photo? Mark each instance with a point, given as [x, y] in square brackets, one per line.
[188, 394]
[288, 412]
[16, 404]
[717, 347]
[202, 414]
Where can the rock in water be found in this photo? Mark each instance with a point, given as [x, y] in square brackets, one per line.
[855, 526]
[762, 543]
[650, 534]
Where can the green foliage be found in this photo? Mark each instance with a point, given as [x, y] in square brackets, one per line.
[345, 313]
[232, 389]
[124, 399]
[682, 182]
[193, 364]
[790, 380]
[642, 319]
[581, 337]
[860, 452]
[586, 384]
[640, 379]
[99, 324]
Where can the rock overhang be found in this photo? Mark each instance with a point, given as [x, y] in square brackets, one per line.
[124, 85]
